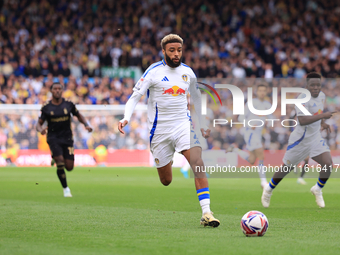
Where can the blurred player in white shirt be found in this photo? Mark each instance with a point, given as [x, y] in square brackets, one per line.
[167, 84]
[306, 140]
[253, 135]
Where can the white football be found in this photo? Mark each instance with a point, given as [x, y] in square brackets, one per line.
[254, 223]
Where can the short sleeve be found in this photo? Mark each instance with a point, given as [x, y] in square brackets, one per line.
[193, 81]
[74, 109]
[143, 84]
[299, 112]
[43, 115]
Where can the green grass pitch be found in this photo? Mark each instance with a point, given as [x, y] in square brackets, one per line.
[128, 211]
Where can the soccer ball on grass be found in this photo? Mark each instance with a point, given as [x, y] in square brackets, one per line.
[254, 223]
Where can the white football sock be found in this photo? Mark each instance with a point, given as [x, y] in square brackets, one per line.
[268, 188]
[205, 204]
[317, 187]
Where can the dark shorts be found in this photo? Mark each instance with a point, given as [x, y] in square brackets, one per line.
[62, 147]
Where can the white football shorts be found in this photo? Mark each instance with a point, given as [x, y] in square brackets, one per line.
[163, 146]
[253, 140]
[300, 147]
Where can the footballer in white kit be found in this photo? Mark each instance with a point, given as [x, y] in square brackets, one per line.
[253, 135]
[168, 115]
[167, 84]
[306, 140]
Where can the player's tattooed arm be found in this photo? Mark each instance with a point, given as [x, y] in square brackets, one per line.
[82, 120]
[40, 127]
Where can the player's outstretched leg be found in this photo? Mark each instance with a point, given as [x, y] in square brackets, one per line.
[62, 175]
[268, 189]
[243, 154]
[194, 157]
[185, 170]
[325, 161]
[300, 180]
[259, 153]
[251, 158]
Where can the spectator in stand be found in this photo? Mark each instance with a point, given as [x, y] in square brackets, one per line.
[70, 41]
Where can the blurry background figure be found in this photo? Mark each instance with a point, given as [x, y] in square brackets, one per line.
[11, 154]
[100, 155]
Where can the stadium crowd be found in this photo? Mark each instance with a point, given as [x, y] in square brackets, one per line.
[70, 41]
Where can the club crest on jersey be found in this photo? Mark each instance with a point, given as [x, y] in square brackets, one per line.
[174, 91]
[157, 161]
[185, 77]
[65, 110]
[52, 113]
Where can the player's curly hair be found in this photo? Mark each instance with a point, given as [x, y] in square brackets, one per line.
[171, 38]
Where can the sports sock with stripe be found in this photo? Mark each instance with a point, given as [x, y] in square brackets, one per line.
[272, 184]
[204, 198]
[321, 183]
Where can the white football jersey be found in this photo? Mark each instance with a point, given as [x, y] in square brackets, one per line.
[314, 106]
[258, 105]
[167, 89]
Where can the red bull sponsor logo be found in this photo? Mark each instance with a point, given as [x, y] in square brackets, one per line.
[318, 112]
[174, 91]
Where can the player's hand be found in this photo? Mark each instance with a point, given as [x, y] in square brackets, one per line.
[326, 127]
[88, 128]
[44, 131]
[328, 115]
[205, 133]
[121, 125]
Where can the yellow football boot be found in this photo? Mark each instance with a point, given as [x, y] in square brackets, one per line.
[209, 220]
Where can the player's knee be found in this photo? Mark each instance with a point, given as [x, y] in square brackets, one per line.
[69, 168]
[196, 162]
[166, 181]
[59, 160]
[252, 161]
